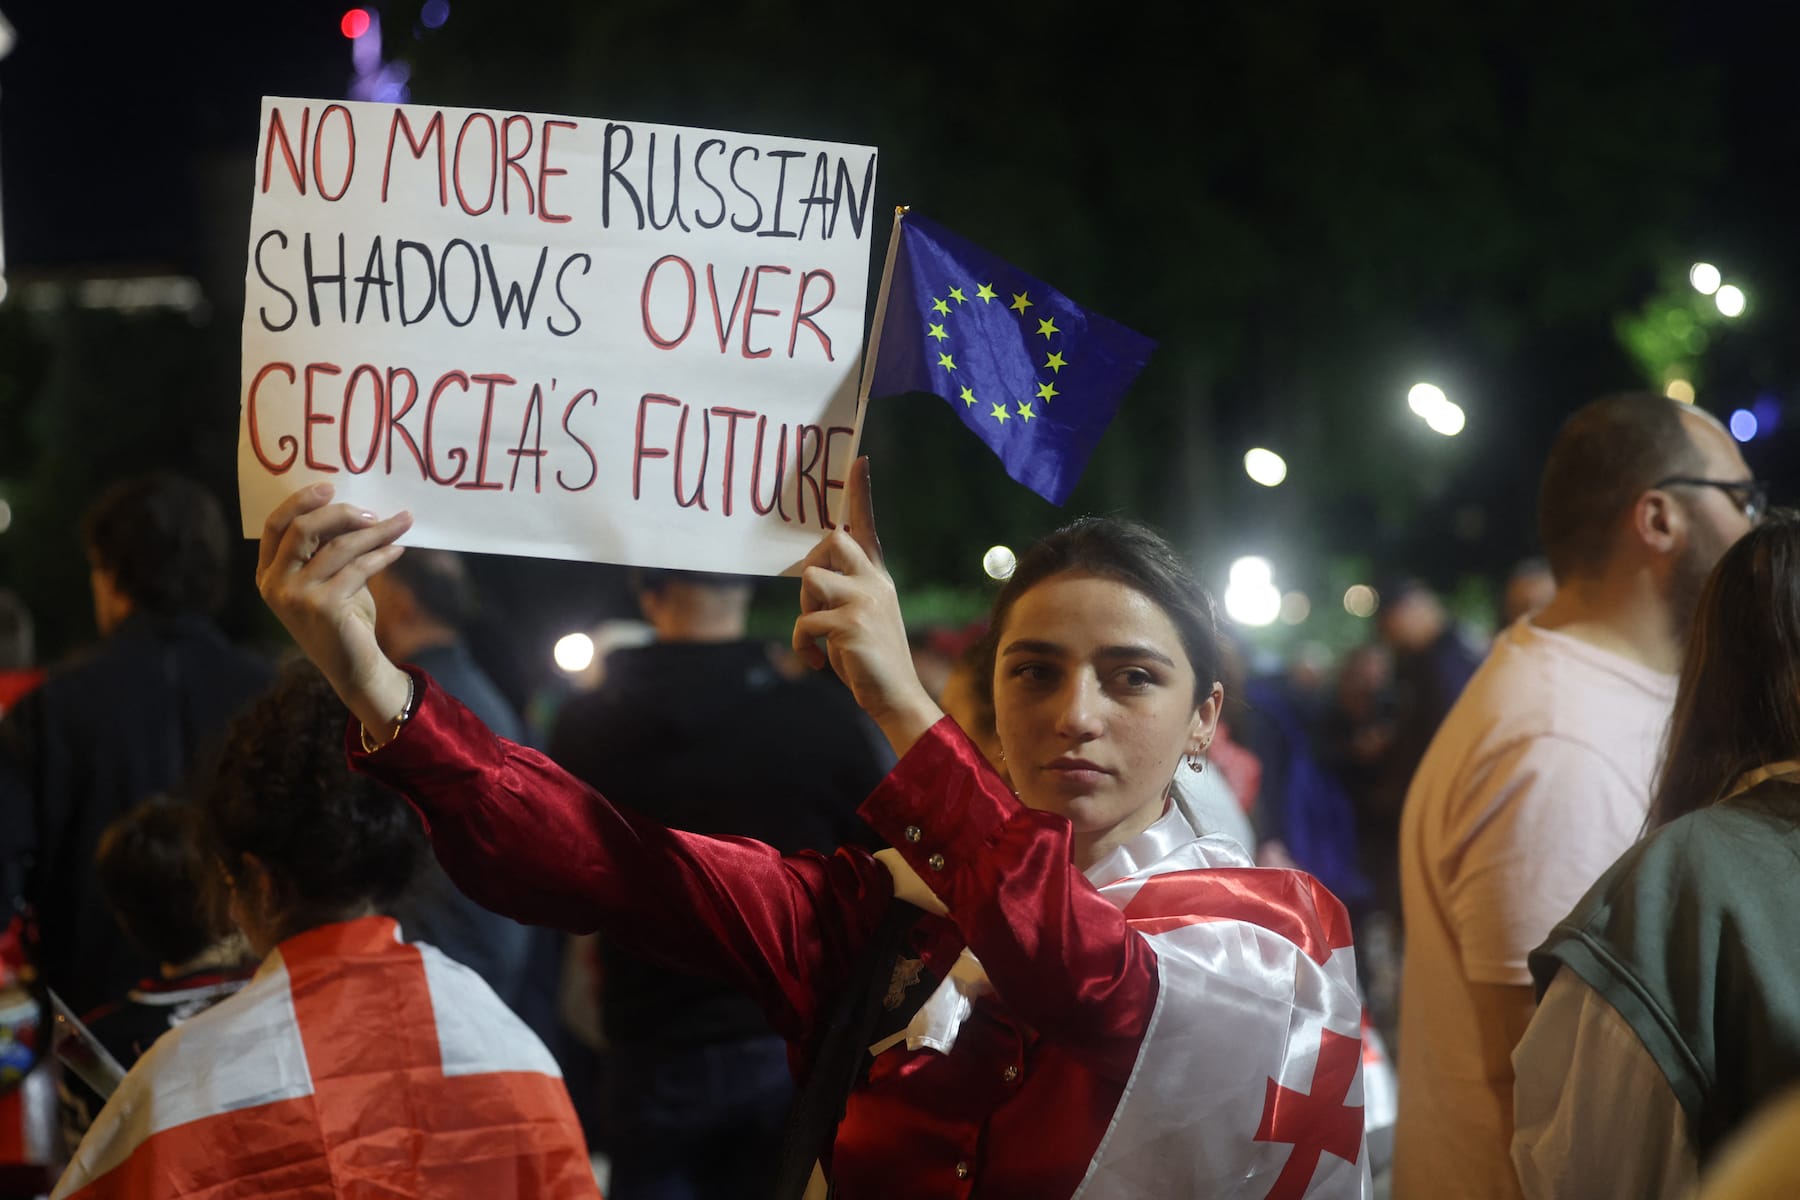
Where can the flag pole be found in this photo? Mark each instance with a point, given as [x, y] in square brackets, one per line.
[881, 299]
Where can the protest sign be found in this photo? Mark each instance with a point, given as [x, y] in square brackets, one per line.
[555, 336]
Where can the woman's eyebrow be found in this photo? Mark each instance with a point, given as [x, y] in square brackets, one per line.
[1136, 652]
[1052, 649]
[1031, 646]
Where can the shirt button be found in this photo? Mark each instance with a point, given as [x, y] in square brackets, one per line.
[935, 862]
[913, 834]
[1011, 1074]
[962, 1170]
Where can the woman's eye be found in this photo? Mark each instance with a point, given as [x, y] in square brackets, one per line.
[1136, 680]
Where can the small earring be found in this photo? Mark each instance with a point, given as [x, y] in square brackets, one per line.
[1196, 763]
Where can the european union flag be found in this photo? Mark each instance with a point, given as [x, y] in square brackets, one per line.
[1035, 375]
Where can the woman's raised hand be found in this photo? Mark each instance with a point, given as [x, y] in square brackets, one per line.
[313, 570]
[848, 599]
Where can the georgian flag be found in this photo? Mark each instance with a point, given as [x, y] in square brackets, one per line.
[352, 1065]
[1249, 1082]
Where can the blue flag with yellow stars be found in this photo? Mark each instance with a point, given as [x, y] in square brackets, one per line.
[1035, 375]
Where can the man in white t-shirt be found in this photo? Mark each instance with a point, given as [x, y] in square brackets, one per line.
[1541, 775]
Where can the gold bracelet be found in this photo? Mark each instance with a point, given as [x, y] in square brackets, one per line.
[405, 715]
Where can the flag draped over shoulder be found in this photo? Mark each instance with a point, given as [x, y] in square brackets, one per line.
[1035, 375]
[352, 1065]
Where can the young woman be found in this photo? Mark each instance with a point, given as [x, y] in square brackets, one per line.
[1098, 1002]
[1672, 1007]
[352, 1064]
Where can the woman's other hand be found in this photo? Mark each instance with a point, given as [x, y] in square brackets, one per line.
[313, 569]
[848, 599]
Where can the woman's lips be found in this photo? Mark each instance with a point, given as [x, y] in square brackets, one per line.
[1077, 771]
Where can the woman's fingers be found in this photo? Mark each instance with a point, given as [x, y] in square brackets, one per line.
[808, 629]
[340, 550]
[275, 527]
[859, 511]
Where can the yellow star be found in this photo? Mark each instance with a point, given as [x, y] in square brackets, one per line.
[956, 294]
[1048, 327]
[1020, 303]
[1025, 413]
[944, 360]
[938, 306]
[936, 331]
[985, 292]
[968, 398]
[1056, 362]
[1000, 414]
[1047, 392]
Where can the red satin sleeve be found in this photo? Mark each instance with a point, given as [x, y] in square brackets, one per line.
[523, 837]
[1058, 952]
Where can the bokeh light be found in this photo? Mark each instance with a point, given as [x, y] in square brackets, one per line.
[1730, 300]
[1265, 467]
[1439, 413]
[999, 562]
[434, 13]
[5, 516]
[1295, 608]
[355, 23]
[1360, 600]
[1252, 597]
[574, 652]
[1743, 424]
[1679, 389]
[1705, 277]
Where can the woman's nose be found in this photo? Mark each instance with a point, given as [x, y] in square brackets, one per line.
[1079, 715]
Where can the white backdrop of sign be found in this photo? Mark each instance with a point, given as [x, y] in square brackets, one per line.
[555, 336]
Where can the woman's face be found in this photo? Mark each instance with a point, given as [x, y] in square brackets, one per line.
[1094, 698]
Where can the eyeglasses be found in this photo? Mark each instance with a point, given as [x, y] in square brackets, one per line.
[1750, 495]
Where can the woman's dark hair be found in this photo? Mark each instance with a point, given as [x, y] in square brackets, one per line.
[1738, 707]
[162, 539]
[1131, 554]
[330, 839]
[158, 883]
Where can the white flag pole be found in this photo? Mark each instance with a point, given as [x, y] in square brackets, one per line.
[881, 299]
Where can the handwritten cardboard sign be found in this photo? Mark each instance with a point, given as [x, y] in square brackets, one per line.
[555, 336]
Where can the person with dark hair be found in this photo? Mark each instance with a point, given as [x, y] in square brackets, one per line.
[423, 603]
[1540, 776]
[132, 718]
[1089, 997]
[353, 1063]
[158, 882]
[700, 731]
[1670, 997]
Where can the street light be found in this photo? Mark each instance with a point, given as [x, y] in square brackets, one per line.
[1252, 597]
[1705, 277]
[1265, 467]
[1440, 414]
[574, 652]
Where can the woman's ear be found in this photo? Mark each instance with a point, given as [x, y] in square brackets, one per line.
[1206, 720]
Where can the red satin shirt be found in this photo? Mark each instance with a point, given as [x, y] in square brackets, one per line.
[1020, 1104]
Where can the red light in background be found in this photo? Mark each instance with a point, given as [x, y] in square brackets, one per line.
[355, 23]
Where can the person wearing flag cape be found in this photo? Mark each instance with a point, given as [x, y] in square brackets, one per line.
[1095, 1000]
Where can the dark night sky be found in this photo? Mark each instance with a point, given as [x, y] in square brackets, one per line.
[108, 112]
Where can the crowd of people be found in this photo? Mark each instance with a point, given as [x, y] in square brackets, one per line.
[1084, 901]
